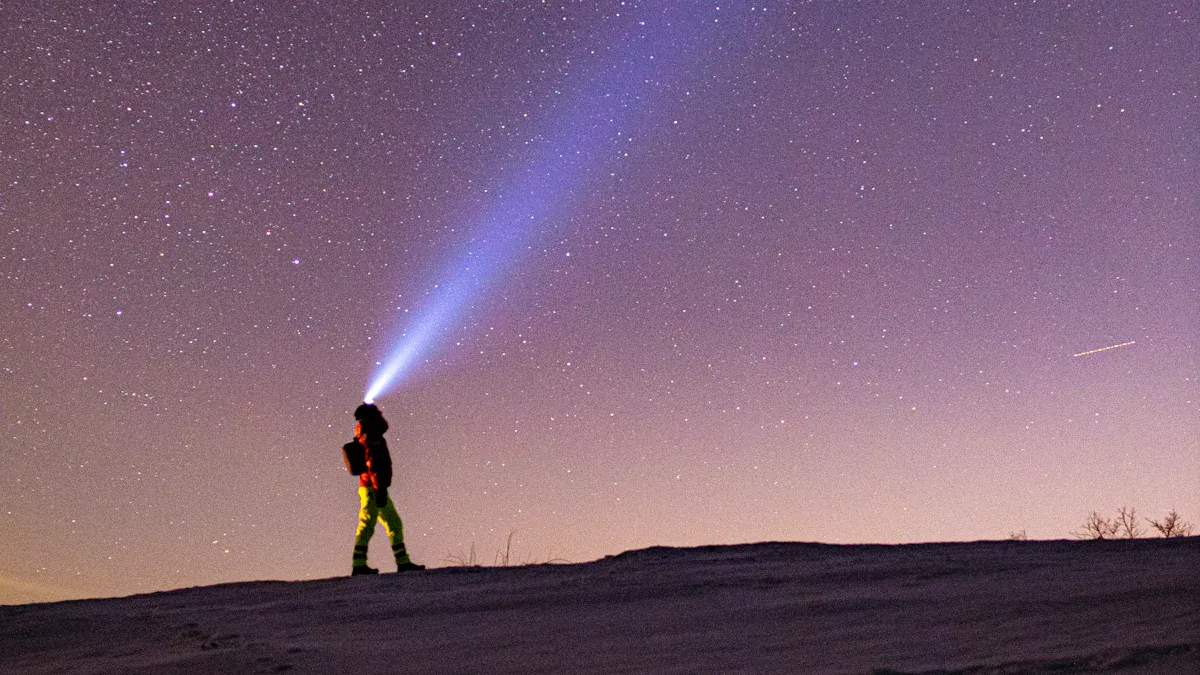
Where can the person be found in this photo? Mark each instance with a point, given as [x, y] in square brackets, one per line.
[367, 455]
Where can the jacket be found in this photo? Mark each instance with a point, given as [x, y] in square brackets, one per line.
[378, 475]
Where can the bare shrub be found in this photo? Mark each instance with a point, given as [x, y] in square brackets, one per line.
[1171, 525]
[1127, 523]
[1018, 536]
[1098, 527]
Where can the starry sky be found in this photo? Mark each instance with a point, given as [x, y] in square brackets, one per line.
[804, 271]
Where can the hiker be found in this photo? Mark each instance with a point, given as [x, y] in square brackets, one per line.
[367, 457]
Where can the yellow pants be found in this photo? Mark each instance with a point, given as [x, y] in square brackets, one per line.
[368, 515]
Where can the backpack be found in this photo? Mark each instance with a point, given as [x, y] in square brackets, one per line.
[356, 457]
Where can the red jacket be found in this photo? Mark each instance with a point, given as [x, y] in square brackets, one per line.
[378, 475]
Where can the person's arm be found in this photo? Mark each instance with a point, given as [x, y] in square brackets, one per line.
[383, 464]
[379, 470]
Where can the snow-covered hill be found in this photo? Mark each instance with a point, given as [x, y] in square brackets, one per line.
[983, 607]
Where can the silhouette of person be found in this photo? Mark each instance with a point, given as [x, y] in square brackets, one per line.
[367, 455]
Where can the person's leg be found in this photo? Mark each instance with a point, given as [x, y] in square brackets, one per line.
[368, 514]
[395, 531]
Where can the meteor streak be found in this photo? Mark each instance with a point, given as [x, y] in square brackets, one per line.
[1104, 349]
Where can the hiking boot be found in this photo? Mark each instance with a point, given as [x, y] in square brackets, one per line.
[362, 569]
[409, 566]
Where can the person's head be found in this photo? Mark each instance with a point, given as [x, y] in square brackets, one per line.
[370, 421]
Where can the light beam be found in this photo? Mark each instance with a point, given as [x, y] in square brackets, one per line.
[608, 103]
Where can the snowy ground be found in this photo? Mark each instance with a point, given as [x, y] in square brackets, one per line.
[984, 607]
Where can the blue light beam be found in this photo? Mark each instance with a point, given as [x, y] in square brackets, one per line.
[615, 97]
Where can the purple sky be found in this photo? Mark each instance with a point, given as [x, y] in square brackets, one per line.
[819, 276]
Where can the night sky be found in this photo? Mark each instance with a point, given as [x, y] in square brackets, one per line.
[735, 272]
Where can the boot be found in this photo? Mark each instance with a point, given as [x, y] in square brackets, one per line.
[403, 562]
[359, 570]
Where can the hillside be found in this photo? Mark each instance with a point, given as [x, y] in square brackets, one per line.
[981, 607]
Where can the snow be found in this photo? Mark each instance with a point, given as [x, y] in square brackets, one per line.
[981, 607]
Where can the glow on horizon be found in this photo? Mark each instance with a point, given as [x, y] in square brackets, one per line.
[613, 99]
